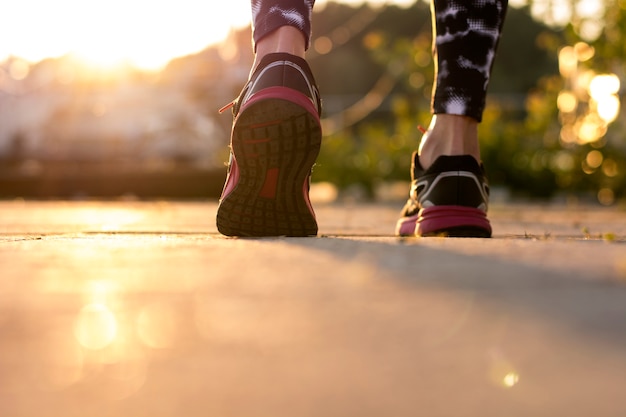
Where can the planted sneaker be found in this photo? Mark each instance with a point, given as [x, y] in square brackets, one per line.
[448, 199]
[275, 140]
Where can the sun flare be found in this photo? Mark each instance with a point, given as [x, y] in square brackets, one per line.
[146, 34]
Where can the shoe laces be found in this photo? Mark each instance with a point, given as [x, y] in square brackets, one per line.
[227, 106]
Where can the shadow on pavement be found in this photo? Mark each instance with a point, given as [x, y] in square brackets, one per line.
[592, 306]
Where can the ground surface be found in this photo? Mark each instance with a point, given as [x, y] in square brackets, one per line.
[142, 309]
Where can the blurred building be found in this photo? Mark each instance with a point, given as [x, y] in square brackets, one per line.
[62, 118]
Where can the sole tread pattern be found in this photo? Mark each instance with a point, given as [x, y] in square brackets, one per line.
[275, 143]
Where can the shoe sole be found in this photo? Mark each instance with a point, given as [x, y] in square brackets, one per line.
[452, 221]
[275, 142]
[446, 221]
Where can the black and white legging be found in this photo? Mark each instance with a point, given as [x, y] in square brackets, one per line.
[465, 38]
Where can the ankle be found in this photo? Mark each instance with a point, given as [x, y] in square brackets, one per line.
[285, 39]
[449, 135]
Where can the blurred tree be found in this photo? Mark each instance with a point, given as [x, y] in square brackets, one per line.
[387, 65]
[579, 109]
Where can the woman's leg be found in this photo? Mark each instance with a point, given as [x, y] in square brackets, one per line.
[465, 39]
[281, 26]
[449, 192]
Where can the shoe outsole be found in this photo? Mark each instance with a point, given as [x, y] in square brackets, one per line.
[446, 221]
[467, 231]
[275, 143]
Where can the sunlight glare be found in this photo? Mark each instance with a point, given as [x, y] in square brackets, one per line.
[603, 89]
[96, 326]
[501, 371]
[510, 380]
[143, 33]
[19, 69]
[608, 108]
[603, 85]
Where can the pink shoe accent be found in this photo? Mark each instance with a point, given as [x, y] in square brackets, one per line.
[436, 219]
[232, 179]
[307, 200]
[269, 185]
[406, 226]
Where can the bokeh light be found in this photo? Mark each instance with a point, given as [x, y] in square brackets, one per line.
[603, 85]
[96, 326]
[606, 196]
[588, 103]
[502, 373]
[608, 108]
[568, 61]
[610, 168]
[594, 159]
[19, 69]
[510, 380]
[567, 101]
[603, 90]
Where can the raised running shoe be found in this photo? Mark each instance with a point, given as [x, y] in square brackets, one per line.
[275, 140]
[448, 199]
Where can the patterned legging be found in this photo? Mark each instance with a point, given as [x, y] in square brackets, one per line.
[465, 38]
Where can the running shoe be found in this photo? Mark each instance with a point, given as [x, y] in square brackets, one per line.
[275, 140]
[448, 199]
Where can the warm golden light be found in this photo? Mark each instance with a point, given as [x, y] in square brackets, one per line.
[96, 326]
[582, 80]
[566, 101]
[510, 380]
[610, 168]
[502, 372]
[604, 85]
[606, 196]
[113, 219]
[608, 108]
[590, 128]
[594, 159]
[603, 90]
[323, 45]
[19, 69]
[567, 61]
[568, 135]
[143, 33]
[584, 51]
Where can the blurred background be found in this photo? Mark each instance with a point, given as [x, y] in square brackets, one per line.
[120, 99]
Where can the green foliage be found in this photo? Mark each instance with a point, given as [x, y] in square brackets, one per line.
[521, 129]
[577, 167]
[367, 155]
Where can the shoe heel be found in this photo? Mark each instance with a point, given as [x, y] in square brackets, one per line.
[275, 142]
[452, 221]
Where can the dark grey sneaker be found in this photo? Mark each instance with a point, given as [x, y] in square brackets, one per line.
[275, 140]
[448, 199]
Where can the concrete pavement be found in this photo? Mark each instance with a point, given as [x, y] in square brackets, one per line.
[143, 309]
